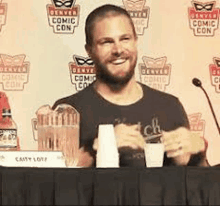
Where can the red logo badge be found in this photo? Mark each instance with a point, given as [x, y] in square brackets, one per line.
[139, 14]
[215, 73]
[197, 125]
[14, 72]
[63, 16]
[3, 12]
[155, 72]
[82, 72]
[203, 18]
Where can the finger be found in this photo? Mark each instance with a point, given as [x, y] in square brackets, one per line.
[95, 144]
[127, 144]
[81, 149]
[84, 159]
[128, 137]
[124, 128]
[137, 141]
[135, 127]
[128, 133]
[197, 143]
[132, 126]
[169, 139]
[185, 142]
[174, 146]
[178, 135]
[175, 153]
[180, 132]
[125, 132]
[184, 145]
[193, 144]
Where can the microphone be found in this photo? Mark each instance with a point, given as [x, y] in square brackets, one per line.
[198, 83]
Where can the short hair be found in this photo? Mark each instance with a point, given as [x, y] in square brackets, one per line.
[102, 12]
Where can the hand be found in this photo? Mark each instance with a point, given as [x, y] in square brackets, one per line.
[182, 143]
[129, 136]
[126, 136]
[84, 158]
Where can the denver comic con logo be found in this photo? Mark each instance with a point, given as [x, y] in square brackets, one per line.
[63, 16]
[14, 72]
[3, 12]
[203, 18]
[197, 125]
[155, 72]
[139, 14]
[215, 73]
[82, 72]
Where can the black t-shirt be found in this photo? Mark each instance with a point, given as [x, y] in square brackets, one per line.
[156, 112]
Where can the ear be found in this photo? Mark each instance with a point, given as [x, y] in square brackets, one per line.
[136, 39]
[88, 50]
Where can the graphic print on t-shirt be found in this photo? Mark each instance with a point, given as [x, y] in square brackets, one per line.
[151, 132]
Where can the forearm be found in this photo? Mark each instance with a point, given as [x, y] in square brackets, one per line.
[199, 159]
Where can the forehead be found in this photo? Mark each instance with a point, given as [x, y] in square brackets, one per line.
[64, 1]
[112, 25]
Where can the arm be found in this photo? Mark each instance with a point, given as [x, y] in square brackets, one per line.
[181, 145]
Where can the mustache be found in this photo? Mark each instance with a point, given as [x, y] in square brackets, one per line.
[116, 57]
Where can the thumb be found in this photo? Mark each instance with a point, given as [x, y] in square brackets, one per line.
[95, 144]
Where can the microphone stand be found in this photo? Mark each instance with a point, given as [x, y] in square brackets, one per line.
[198, 83]
[213, 113]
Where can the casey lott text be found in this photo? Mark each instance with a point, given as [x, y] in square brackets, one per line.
[29, 159]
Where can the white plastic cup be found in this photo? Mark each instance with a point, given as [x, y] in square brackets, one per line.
[154, 154]
[107, 152]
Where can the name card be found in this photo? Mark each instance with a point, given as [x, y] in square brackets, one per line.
[32, 159]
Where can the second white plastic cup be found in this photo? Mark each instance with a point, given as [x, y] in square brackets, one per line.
[154, 154]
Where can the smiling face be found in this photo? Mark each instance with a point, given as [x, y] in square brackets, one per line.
[114, 49]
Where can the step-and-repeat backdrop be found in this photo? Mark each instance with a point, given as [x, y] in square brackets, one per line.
[42, 57]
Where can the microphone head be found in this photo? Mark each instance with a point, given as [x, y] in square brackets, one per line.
[197, 82]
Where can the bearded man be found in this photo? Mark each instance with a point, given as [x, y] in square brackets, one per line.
[138, 112]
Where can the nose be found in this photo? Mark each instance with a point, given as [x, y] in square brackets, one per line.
[117, 49]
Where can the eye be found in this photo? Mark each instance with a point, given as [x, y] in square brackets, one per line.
[105, 42]
[126, 38]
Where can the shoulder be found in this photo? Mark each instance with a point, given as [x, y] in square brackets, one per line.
[156, 95]
[77, 98]
[168, 106]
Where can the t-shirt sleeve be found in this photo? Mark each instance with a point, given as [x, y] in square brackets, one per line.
[181, 116]
[175, 115]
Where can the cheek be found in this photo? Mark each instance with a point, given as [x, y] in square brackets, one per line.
[131, 48]
[103, 54]
[106, 51]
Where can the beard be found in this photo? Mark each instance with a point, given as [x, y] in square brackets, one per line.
[116, 83]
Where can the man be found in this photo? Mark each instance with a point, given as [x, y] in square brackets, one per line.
[138, 112]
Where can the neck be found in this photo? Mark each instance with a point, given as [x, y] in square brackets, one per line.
[129, 94]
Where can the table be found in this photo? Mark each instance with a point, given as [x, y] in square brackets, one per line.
[112, 186]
